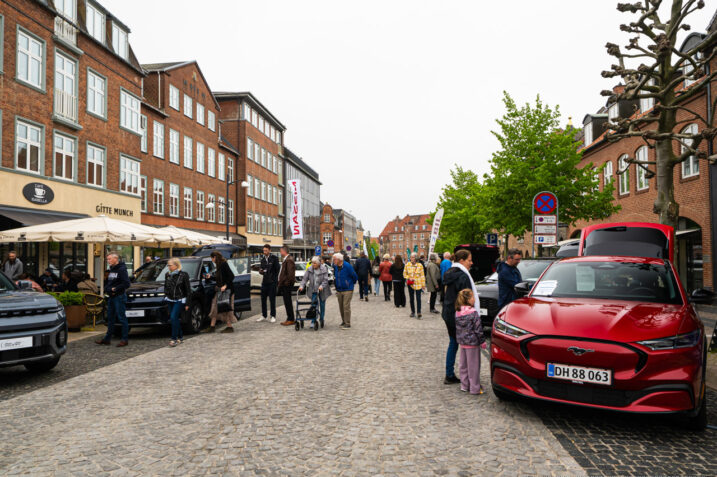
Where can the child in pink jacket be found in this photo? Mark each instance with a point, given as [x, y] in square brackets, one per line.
[469, 334]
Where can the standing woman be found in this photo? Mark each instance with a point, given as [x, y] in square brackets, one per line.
[178, 292]
[433, 280]
[224, 279]
[385, 276]
[316, 281]
[416, 281]
[376, 274]
[398, 282]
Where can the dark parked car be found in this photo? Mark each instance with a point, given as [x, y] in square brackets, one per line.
[146, 305]
[227, 250]
[568, 248]
[33, 327]
[484, 259]
[487, 290]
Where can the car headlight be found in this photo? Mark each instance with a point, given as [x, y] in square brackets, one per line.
[507, 329]
[686, 340]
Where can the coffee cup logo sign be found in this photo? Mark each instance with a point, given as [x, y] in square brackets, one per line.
[38, 193]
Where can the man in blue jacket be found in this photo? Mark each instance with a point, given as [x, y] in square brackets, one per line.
[508, 277]
[116, 287]
[445, 265]
[363, 269]
[344, 280]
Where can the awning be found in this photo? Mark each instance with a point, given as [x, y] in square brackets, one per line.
[28, 217]
[685, 232]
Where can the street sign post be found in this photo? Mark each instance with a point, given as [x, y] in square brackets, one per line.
[330, 243]
[545, 219]
[491, 239]
[317, 250]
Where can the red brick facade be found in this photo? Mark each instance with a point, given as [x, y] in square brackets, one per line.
[410, 232]
[330, 231]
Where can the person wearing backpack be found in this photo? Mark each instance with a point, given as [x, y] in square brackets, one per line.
[376, 274]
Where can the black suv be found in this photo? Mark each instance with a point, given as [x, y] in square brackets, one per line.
[33, 327]
[484, 259]
[146, 305]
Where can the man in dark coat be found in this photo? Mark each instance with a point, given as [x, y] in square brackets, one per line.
[508, 277]
[270, 271]
[455, 279]
[363, 269]
[287, 279]
[116, 287]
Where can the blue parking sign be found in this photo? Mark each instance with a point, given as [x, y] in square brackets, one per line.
[317, 250]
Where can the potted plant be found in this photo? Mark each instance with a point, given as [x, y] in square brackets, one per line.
[74, 308]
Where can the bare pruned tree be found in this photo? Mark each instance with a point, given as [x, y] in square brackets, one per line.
[652, 67]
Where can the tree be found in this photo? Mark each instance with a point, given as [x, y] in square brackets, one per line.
[653, 68]
[536, 155]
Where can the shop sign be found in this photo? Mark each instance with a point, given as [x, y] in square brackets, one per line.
[38, 193]
[109, 210]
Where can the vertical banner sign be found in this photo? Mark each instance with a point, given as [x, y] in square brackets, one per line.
[296, 221]
[434, 231]
[364, 249]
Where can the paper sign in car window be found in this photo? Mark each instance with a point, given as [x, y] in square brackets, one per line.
[545, 288]
[584, 278]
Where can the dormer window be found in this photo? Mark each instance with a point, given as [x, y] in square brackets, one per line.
[95, 23]
[588, 132]
[613, 112]
[119, 41]
[647, 104]
[688, 69]
[66, 8]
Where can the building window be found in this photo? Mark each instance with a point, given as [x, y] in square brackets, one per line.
[245, 111]
[613, 112]
[28, 147]
[607, 173]
[143, 129]
[281, 226]
[221, 167]
[276, 165]
[143, 193]
[327, 237]
[281, 172]
[230, 169]
[257, 153]
[95, 23]
[257, 188]
[250, 189]
[200, 114]
[263, 191]
[588, 131]
[249, 223]
[211, 165]
[211, 211]
[174, 146]
[624, 175]
[129, 175]
[257, 224]
[230, 211]
[200, 157]
[263, 225]
[174, 200]
[159, 140]
[158, 197]
[254, 119]
[249, 149]
[263, 157]
[96, 94]
[188, 203]
[173, 97]
[119, 41]
[188, 152]
[64, 157]
[276, 195]
[641, 155]
[211, 121]
[187, 106]
[95, 166]
[221, 210]
[281, 201]
[200, 205]
[691, 165]
[129, 112]
[30, 60]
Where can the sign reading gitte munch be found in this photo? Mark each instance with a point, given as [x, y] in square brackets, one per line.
[38, 193]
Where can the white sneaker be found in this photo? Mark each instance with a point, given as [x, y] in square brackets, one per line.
[272, 320]
[261, 318]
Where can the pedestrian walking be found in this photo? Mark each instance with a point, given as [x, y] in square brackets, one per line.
[12, 266]
[446, 263]
[116, 287]
[287, 278]
[344, 280]
[415, 277]
[376, 274]
[398, 282]
[469, 334]
[455, 279]
[316, 282]
[178, 294]
[385, 277]
[223, 278]
[508, 277]
[433, 280]
[363, 270]
[269, 269]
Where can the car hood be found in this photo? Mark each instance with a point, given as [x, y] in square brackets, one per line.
[16, 299]
[146, 287]
[624, 321]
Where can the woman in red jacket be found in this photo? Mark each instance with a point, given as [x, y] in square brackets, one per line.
[385, 276]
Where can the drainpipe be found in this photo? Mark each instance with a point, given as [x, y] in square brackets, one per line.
[159, 89]
[712, 168]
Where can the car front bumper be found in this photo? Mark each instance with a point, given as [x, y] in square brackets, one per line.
[47, 343]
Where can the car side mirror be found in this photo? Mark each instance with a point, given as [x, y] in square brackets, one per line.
[24, 285]
[702, 296]
[522, 289]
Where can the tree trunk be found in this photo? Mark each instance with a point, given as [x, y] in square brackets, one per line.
[665, 205]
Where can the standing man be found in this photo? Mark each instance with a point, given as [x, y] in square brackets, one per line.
[457, 278]
[363, 269]
[508, 277]
[287, 277]
[12, 266]
[446, 263]
[433, 280]
[270, 272]
[116, 286]
[344, 280]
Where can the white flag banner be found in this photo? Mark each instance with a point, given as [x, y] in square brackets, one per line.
[365, 250]
[296, 221]
[434, 231]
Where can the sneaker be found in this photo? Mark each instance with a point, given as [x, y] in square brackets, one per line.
[413, 315]
[419, 316]
[435, 311]
[180, 341]
[261, 318]
[345, 327]
[451, 380]
[172, 343]
[228, 329]
[464, 390]
[272, 320]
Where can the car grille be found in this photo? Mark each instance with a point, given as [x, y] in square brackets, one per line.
[15, 354]
[586, 394]
[27, 312]
[491, 304]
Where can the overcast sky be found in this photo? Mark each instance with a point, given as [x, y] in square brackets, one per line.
[383, 98]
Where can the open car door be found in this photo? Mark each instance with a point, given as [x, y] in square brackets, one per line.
[633, 239]
[242, 283]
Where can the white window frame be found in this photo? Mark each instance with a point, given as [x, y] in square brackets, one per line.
[130, 172]
[68, 149]
[173, 200]
[188, 202]
[250, 222]
[173, 97]
[158, 140]
[623, 179]
[211, 121]
[249, 149]
[200, 157]
[94, 163]
[96, 94]
[200, 205]
[188, 145]
[158, 197]
[173, 146]
[257, 223]
[690, 166]
[221, 167]
[130, 112]
[230, 211]
[187, 105]
[250, 189]
[30, 145]
[143, 133]
[230, 169]
[212, 211]
[642, 182]
[30, 57]
[120, 41]
[613, 112]
[95, 22]
[221, 216]
[607, 173]
[200, 114]
[143, 193]
[211, 163]
[588, 134]
[257, 153]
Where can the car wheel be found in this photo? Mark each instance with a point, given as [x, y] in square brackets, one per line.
[502, 395]
[42, 366]
[195, 320]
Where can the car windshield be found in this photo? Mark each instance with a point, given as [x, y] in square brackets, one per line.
[529, 269]
[300, 266]
[610, 280]
[5, 283]
[157, 271]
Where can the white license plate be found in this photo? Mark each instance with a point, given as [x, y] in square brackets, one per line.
[134, 313]
[484, 312]
[580, 374]
[16, 343]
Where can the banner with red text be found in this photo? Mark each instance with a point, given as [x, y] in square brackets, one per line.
[296, 221]
[434, 232]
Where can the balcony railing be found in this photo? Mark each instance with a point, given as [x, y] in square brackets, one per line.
[65, 31]
[65, 105]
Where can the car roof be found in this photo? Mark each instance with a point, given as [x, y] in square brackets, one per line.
[614, 259]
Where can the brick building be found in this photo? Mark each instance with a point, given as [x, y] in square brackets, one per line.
[258, 135]
[330, 232]
[188, 168]
[412, 232]
[70, 124]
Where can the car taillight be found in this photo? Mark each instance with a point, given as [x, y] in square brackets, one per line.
[686, 340]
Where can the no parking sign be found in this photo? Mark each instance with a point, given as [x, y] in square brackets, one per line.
[545, 219]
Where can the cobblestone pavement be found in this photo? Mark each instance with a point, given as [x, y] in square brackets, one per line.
[269, 400]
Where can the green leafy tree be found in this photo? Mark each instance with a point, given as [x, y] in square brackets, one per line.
[537, 155]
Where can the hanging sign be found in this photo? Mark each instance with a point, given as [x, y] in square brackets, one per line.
[38, 193]
[296, 222]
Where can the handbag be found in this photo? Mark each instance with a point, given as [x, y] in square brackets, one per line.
[410, 282]
[224, 301]
[311, 312]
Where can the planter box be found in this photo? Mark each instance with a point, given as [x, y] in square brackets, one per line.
[75, 316]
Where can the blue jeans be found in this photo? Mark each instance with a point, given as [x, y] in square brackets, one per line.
[116, 311]
[322, 305]
[376, 285]
[451, 357]
[417, 293]
[175, 317]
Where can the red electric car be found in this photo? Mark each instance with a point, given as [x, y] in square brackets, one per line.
[606, 331]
